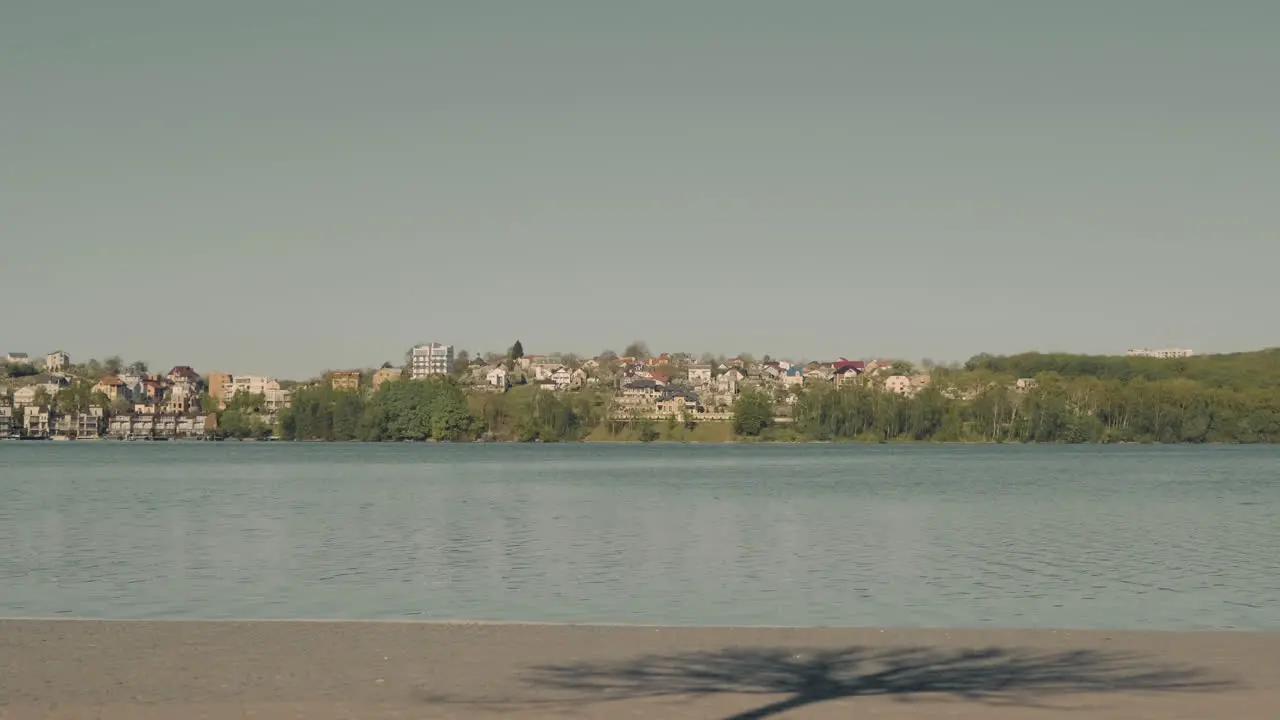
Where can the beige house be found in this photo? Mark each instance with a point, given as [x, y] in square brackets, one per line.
[900, 384]
[56, 361]
[385, 375]
[345, 379]
[111, 386]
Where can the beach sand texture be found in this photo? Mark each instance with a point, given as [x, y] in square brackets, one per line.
[110, 670]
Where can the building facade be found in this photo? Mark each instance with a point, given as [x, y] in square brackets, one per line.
[1160, 352]
[431, 359]
[345, 379]
[56, 361]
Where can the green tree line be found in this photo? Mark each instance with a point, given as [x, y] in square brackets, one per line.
[439, 409]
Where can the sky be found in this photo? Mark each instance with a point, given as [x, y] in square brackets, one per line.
[279, 187]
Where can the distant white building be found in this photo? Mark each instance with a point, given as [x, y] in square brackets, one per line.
[497, 377]
[17, 358]
[1160, 353]
[428, 360]
[274, 398]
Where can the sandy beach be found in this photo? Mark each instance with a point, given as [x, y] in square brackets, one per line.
[330, 670]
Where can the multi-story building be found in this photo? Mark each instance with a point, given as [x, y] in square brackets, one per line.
[218, 384]
[1160, 352]
[345, 379]
[36, 422]
[56, 361]
[428, 360]
[6, 421]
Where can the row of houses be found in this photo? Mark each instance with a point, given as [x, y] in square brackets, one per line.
[33, 422]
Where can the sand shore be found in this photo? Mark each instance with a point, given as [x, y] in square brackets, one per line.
[332, 670]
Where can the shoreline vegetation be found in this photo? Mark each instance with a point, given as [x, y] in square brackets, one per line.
[1029, 398]
[1026, 398]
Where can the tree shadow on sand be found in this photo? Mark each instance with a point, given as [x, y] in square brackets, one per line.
[807, 677]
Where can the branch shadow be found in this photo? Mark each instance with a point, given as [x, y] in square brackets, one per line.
[807, 677]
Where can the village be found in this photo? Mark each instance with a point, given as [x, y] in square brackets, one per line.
[50, 398]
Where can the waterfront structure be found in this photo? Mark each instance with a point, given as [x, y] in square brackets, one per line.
[1164, 353]
[430, 359]
[6, 421]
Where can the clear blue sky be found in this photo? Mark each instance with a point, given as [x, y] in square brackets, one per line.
[282, 187]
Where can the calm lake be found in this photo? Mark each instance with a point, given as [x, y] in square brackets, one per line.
[1101, 537]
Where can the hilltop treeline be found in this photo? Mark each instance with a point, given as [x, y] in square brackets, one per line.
[1070, 399]
[1238, 371]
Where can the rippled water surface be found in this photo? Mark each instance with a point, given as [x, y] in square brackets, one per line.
[1117, 537]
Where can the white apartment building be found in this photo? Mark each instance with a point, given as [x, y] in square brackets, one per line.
[275, 398]
[1160, 353]
[428, 360]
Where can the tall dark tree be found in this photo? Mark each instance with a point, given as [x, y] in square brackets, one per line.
[516, 352]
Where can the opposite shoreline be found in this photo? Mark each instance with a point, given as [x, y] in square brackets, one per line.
[146, 669]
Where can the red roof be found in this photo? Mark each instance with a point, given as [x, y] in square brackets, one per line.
[845, 365]
[184, 371]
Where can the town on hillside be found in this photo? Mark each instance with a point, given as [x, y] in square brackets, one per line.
[51, 397]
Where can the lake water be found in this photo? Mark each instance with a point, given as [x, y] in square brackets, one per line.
[956, 536]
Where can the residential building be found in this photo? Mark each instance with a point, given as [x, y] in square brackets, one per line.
[639, 392]
[17, 358]
[1164, 353]
[385, 375]
[430, 359]
[794, 377]
[218, 384]
[845, 365]
[345, 379]
[562, 377]
[497, 376]
[900, 384]
[56, 361]
[678, 404]
[36, 422]
[274, 398]
[6, 421]
[89, 425]
[728, 381]
[1024, 384]
[26, 396]
[111, 386]
[700, 374]
[846, 375]
[179, 400]
[184, 376]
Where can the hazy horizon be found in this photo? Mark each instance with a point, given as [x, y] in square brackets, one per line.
[280, 188]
